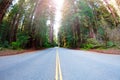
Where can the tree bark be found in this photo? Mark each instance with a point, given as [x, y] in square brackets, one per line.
[111, 11]
[3, 8]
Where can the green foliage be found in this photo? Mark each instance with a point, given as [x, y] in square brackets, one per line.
[6, 44]
[110, 44]
[101, 31]
[83, 22]
[91, 43]
[88, 46]
[117, 44]
[4, 34]
[22, 39]
[15, 9]
[47, 45]
[86, 23]
[1, 48]
[4, 28]
[15, 45]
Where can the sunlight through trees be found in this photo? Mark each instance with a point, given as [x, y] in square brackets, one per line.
[70, 23]
[89, 24]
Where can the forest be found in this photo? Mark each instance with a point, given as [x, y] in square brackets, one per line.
[24, 23]
[90, 24]
[87, 24]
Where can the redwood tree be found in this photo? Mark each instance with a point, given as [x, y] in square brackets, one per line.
[4, 4]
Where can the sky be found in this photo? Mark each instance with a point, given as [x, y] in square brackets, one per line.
[58, 15]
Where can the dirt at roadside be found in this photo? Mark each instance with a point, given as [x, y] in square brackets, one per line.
[7, 52]
[13, 52]
[103, 51]
[108, 51]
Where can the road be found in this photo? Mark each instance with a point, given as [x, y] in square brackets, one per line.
[60, 64]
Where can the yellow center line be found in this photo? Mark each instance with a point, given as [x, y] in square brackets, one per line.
[58, 75]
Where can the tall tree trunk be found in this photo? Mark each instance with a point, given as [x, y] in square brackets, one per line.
[16, 27]
[15, 22]
[51, 33]
[112, 12]
[3, 8]
[91, 32]
[12, 27]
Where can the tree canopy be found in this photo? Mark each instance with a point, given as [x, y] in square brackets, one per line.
[84, 24]
[89, 23]
[25, 24]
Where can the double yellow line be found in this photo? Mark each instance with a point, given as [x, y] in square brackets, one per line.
[58, 75]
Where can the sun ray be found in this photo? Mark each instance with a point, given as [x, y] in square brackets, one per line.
[58, 15]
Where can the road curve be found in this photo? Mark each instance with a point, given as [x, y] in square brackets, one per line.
[73, 65]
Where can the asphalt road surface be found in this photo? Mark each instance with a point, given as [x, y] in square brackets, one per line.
[60, 64]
